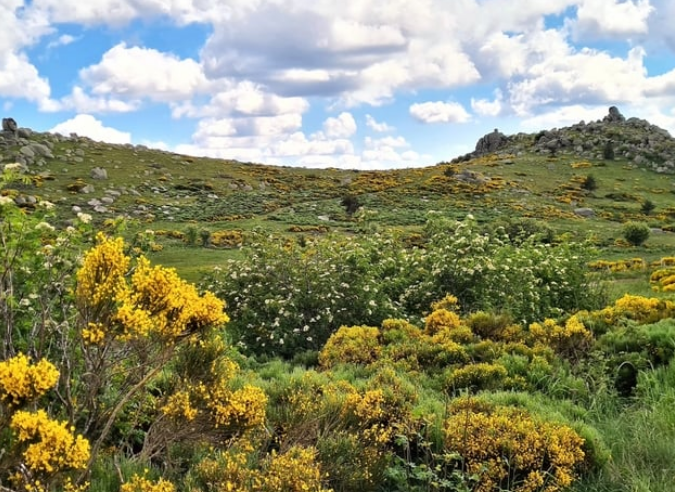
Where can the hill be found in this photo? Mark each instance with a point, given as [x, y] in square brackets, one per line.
[583, 180]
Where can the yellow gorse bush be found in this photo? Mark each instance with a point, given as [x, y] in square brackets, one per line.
[51, 445]
[440, 319]
[140, 483]
[508, 449]
[638, 308]
[295, 470]
[101, 277]
[153, 301]
[566, 339]
[216, 404]
[21, 381]
[352, 344]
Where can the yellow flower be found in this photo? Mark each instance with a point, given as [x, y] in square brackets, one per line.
[21, 381]
[52, 446]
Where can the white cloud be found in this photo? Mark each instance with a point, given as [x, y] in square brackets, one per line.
[485, 107]
[63, 40]
[88, 126]
[341, 127]
[80, 102]
[137, 73]
[376, 126]
[387, 152]
[155, 144]
[584, 77]
[298, 145]
[242, 99]
[110, 12]
[564, 116]
[439, 112]
[612, 18]
[20, 79]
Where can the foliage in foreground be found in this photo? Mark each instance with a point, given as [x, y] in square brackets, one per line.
[448, 398]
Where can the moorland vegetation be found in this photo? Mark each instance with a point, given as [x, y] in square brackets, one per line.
[456, 328]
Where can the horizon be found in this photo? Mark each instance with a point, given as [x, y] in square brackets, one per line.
[359, 85]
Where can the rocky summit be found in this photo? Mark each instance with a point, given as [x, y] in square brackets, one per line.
[613, 136]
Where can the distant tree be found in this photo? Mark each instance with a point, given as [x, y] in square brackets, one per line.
[608, 151]
[636, 233]
[205, 235]
[647, 207]
[351, 204]
[589, 183]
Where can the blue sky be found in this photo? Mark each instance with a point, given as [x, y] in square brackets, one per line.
[366, 84]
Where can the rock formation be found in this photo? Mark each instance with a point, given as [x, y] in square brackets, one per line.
[635, 139]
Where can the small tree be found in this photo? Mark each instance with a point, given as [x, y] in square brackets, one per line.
[589, 183]
[608, 151]
[636, 233]
[351, 204]
[647, 207]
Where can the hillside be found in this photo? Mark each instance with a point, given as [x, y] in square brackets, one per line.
[540, 175]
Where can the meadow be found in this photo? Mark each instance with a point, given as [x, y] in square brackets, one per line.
[223, 326]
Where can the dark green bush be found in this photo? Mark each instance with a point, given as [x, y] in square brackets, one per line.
[636, 233]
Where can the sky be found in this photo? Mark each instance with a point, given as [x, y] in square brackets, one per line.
[359, 84]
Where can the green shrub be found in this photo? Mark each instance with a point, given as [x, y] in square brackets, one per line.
[647, 207]
[589, 183]
[636, 233]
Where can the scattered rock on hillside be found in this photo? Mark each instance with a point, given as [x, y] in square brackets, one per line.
[584, 212]
[99, 173]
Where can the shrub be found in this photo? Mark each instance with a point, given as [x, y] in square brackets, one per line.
[508, 449]
[647, 207]
[636, 233]
[351, 203]
[285, 298]
[475, 377]
[589, 183]
[356, 345]
[608, 151]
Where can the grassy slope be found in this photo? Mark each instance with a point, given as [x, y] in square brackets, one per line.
[179, 192]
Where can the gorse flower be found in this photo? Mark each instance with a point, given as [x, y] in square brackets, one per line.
[155, 301]
[140, 483]
[51, 445]
[21, 381]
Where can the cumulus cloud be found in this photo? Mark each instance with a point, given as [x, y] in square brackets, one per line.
[611, 18]
[88, 126]
[80, 102]
[242, 99]
[584, 77]
[20, 79]
[439, 112]
[355, 52]
[136, 73]
[485, 107]
[563, 116]
[341, 127]
[63, 40]
[376, 126]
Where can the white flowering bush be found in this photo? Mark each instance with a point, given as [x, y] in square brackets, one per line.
[487, 272]
[285, 297]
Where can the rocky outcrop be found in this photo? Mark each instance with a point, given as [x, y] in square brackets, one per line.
[614, 116]
[491, 142]
[612, 137]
